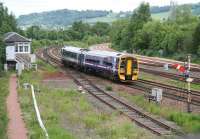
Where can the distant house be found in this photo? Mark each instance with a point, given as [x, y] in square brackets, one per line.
[16, 46]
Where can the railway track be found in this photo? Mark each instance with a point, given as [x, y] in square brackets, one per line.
[139, 117]
[170, 75]
[158, 62]
[169, 91]
[136, 115]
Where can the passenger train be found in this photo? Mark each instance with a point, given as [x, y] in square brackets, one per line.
[113, 65]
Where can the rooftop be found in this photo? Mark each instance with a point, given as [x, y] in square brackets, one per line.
[11, 37]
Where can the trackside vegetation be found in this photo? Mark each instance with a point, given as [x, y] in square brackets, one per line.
[67, 114]
[190, 123]
[3, 111]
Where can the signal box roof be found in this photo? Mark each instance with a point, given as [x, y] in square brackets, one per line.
[12, 37]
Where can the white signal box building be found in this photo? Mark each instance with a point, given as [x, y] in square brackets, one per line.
[16, 46]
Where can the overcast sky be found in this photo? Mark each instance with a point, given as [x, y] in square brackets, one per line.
[19, 7]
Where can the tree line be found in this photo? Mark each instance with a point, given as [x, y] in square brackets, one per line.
[173, 37]
[79, 31]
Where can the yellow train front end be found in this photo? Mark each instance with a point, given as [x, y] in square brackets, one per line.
[128, 68]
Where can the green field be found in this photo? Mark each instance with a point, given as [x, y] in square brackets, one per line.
[113, 17]
[159, 16]
[108, 19]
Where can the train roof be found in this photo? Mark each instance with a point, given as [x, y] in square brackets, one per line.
[72, 49]
[101, 53]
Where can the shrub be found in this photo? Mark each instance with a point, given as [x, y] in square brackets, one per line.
[109, 88]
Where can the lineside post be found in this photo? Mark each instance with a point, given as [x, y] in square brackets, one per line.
[189, 89]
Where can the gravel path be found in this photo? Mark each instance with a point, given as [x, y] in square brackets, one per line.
[16, 126]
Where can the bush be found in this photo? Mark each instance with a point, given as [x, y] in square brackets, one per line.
[109, 88]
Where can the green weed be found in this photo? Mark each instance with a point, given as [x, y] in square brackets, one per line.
[3, 112]
[109, 88]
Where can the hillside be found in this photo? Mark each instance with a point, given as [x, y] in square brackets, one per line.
[59, 18]
[65, 17]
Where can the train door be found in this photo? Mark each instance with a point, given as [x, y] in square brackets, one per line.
[126, 69]
[81, 59]
[129, 69]
[122, 69]
[135, 69]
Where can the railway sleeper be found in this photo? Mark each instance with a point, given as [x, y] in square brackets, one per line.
[163, 132]
[99, 94]
[92, 90]
[115, 104]
[125, 110]
[107, 99]
[133, 115]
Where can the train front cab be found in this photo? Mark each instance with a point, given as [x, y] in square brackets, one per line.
[128, 68]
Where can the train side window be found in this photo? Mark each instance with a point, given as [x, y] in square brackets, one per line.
[107, 63]
[70, 54]
[92, 61]
[135, 64]
[122, 65]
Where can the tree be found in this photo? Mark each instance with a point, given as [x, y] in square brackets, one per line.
[80, 29]
[184, 15]
[101, 28]
[196, 39]
[117, 33]
[7, 24]
[141, 16]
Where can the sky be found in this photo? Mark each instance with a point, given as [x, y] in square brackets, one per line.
[21, 7]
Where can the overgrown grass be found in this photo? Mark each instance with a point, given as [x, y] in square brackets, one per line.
[44, 66]
[63, 110]
[49, 116]
[4, 86]
[190, 123]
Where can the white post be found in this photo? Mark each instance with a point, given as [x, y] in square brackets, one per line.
[5, 67]
[19, 69]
